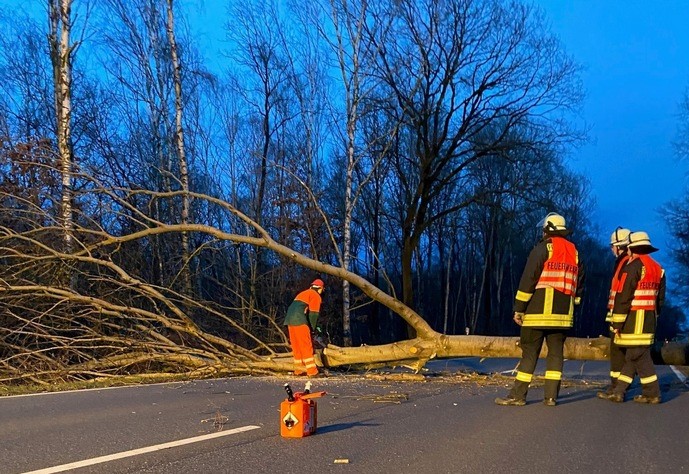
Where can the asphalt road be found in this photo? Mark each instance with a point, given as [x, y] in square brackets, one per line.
[443, 425]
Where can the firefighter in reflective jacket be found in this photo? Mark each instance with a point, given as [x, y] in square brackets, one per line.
[634, 314]
[301, 321]
[618, 245]
[550, 286]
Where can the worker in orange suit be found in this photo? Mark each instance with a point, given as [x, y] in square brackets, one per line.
[301, 321]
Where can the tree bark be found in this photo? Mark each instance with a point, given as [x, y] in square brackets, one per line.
[420, 350]
[61, 51]
[179, 142]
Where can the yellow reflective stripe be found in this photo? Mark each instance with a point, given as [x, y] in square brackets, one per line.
[619, 317]
[634, 339]
[625, 379]
[548, 305]
[614, 375]
[553, 375]
[548, 320]
[639, 322]
[644, 293]
[522, 296]
[650, 379]
[577, 300]
[608, 318]
[548, 324]
[524, 377]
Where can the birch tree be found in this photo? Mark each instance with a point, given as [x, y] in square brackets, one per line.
[62, 51]
[179, 141]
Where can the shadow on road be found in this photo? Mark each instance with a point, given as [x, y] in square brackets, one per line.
[574, 397]
[344, 426]
[671, 392]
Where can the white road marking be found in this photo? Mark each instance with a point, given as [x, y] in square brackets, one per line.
[682, 378]
[136, 452]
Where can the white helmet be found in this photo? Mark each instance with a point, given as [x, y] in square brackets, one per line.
[640, 242]
[553, 221]
[619, 237]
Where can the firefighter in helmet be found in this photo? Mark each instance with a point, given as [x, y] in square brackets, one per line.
[301, 321]
[637, 306]
[550, 286]
[618, 245]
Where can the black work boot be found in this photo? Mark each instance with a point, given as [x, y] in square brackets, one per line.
[613, 397]
[647, 399]
[609, 390]
[509, 401]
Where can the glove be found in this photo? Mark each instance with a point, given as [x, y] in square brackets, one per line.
[518, 318]
[318, 342]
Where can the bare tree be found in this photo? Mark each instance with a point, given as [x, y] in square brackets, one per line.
[179, 141]
[138, 61]
[455, 69]
[26, 80]
[62, 51]
[476, 86]
[113, 323]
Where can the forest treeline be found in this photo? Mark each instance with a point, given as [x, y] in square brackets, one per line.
[159, 214]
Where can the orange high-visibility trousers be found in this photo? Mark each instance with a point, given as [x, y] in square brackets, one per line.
[302, 349]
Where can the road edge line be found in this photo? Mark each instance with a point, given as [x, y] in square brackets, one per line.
[682, 378]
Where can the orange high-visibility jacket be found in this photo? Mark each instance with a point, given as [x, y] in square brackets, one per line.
[647, 289]
[561, 269]
[639, 301]
[616, 284]
[550, 284]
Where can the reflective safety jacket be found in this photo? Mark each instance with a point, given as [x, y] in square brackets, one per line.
[306, 304]
[616, 284]
[551, 284]
[639, 302]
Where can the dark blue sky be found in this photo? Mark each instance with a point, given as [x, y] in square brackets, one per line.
[636, 55]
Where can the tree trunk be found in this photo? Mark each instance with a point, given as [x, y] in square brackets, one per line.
[420, 350]
[347, 231]
[179, 142]
[61, 57]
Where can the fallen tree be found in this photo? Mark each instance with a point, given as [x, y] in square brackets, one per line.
[416, 352]
[80, 315]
